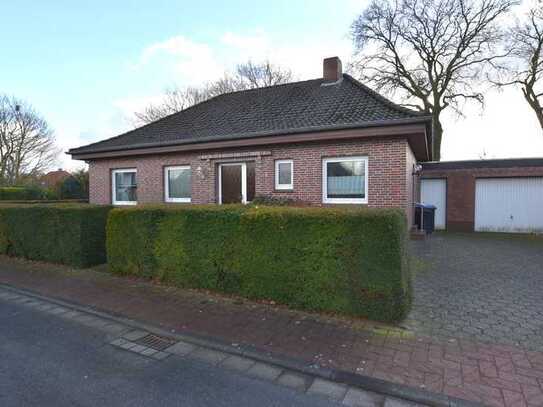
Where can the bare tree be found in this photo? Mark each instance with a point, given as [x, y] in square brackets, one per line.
[246, 76]
[27, 145]
[252, 75]
[526, 68]
[174, 100]
[432, 54]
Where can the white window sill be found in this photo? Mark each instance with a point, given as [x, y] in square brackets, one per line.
[178, 200]
[344, 201]
[125, 203]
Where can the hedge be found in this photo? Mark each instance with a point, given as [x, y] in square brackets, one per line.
[350, 261]
[60, 233]
[20, 193]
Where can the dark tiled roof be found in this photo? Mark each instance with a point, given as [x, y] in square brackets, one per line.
[474, 164]
[290, 108]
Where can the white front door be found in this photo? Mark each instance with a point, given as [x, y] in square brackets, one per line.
[434, 192]
[509, 204]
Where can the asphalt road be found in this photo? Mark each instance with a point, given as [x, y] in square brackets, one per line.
[49, 361]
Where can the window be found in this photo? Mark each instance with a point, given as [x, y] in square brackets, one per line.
[283, 174]
[345, 180]
[178, 184]
[124, 187]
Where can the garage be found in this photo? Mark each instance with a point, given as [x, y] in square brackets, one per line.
[498, 195]
[509, 205]
[434, 192]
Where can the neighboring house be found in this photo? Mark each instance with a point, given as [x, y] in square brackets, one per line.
[53, 178]
[503, 195]
[324, 141]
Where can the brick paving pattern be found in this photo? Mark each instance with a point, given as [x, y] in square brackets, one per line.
[456, 363]
[484, 287]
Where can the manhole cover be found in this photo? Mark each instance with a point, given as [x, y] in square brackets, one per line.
[156, 342]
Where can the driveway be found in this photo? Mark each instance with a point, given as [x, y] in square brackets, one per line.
[487, 287]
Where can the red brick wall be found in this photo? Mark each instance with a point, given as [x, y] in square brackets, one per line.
[460, 216]
[388, 185]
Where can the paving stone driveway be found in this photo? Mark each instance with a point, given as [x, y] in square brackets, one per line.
[487, 287]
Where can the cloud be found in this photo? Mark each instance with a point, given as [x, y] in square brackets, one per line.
[127, 106]
[255, 46]
[194, 62]
[72, 134]
[304, 58]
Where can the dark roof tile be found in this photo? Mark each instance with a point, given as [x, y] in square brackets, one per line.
[281, 109]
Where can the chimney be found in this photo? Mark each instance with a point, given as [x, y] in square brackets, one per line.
[331, 69]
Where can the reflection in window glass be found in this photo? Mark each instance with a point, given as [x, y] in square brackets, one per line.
[179, 183]
[125, 186]
[283, 174]
[345, 179]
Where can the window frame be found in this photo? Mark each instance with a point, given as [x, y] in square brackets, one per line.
[325, 198]
[167, 197]
[284, 187]
[114, 186]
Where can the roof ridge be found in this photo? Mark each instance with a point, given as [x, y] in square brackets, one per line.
[381, 98]
[269, 86]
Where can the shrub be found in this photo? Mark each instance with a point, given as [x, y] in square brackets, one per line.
[50, 194]
[71, 188]
[273, 201]
[65, 233]
[351, 261]
[130, 241]
[20, 193]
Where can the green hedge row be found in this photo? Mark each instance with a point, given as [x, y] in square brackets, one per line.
[350, 261]
[20, 193]
[60, 233]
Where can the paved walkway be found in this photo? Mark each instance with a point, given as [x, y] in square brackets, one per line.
[496, 375]
[485, 287]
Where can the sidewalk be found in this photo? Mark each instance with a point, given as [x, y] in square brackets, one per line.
[495, 375]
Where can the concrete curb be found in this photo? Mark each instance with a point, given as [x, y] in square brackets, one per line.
[367, 383]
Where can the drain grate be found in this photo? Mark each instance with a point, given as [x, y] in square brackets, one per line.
[155, 342]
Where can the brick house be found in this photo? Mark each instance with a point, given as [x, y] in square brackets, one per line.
[53, 178]
[324, 141]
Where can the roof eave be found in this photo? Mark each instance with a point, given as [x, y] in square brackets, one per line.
[77, 153]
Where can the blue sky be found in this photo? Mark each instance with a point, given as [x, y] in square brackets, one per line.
[86, 66]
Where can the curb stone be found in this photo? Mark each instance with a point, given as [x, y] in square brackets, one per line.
[340, 377]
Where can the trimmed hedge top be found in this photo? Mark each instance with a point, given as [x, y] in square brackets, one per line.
[20, 193]
[72, 234]
[351, 261]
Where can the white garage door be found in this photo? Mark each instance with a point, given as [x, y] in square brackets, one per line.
[434, 192]
[509, 204]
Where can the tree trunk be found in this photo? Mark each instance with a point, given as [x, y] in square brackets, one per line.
[437, 131]
[533, 101]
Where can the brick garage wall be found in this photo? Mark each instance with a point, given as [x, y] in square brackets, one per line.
[460, 214]
[389, 160]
